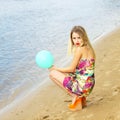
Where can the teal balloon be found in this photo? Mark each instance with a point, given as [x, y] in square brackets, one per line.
[44, 59]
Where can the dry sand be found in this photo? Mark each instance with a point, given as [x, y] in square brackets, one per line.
[50, 103]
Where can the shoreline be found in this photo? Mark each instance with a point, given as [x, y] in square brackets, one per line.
[40, 107]
[22, 97]
[105, 34]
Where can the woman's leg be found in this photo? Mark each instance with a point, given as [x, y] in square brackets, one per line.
[84, 104]
[58, 78]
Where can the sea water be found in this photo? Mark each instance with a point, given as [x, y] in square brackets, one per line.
[28, 26]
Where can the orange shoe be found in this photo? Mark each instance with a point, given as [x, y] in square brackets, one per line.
[77, 105]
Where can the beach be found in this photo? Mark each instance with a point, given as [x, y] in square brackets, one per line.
[50, 102]
[23, 28]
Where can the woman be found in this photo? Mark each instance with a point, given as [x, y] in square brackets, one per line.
[78, 77]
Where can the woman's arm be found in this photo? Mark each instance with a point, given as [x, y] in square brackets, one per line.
[74, 63]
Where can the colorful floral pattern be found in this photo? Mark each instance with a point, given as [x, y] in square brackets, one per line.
[82, 81]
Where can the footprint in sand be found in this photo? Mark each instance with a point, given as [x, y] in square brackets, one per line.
[111, 117]
[67, 100]
[116, 90]
[49, 117]
[95, 100]
[45, 116]
[41, 118]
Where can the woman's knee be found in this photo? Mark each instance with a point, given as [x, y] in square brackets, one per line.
[52, 74]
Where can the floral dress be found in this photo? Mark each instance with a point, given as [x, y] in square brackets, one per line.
[82, 81]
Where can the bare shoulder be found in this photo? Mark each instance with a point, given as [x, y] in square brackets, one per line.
[78, 51]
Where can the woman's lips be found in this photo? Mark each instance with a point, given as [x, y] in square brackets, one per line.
[77, 43]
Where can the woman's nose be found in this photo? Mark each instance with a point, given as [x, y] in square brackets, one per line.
[77, 40]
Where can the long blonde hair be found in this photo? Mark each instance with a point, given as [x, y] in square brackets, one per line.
[80, 31]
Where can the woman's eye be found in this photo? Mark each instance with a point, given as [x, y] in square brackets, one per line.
[74, 37]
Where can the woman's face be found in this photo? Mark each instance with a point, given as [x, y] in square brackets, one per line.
[77, 39]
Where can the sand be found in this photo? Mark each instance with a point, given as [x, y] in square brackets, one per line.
[50, 103]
